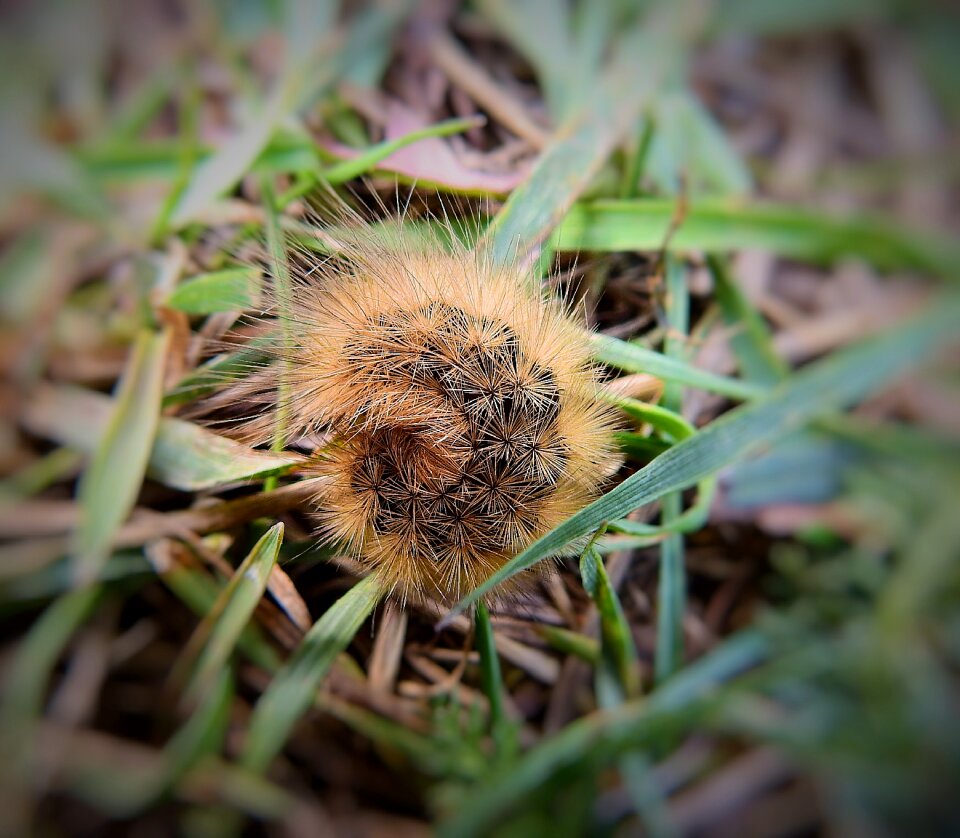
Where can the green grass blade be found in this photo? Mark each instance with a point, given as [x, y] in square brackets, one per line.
[218, 173]
[199, 591]
[637, 160]
[189, 101]
[367, 160]
[668, 421]
[204, 731]
[27, 273]
[690, 154]
[422, 750]
[633, 358]
[109, 486]
[832, 384]
[672, 582]
[758, 17]
[920, 576]
[671, 594]
[294, 688]
[693, 519]
[184, 456]
[233, 289]
[618, 679]
[618, 650]
[489, 664]
[141, 107]
[569, 642]
[38, 653]
[724, 225]
[25, 587]
[647, 796]
[158, 160]
[188, 457]
[897, 439]
[638, 447]
[490, 676]
[221, 626]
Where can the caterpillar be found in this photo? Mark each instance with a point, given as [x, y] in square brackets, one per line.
[460, 402]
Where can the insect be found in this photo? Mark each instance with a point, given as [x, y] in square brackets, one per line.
[461, 404]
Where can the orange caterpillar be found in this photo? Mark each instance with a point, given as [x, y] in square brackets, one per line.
[462, 404]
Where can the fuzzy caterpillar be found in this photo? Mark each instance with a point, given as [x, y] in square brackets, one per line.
[462, 407]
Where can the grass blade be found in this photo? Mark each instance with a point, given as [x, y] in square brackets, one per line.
[724, 225]
[204, 731]
[690, 154]
[199, 591]
[109, 486]
[664, 420]
[294, 688]
[126, 793]
[26, 682]
[759, 17]
[694, 518]
[221, 626]
[617, 679]
[45, 471]
[919, 577]
[671, 594]
[491, 679]
[619, 653]
[233, 289]
[218, 371]
[220, 172]
[832, 384]
[367, 160]
[184, 456]
[633, 358]
[672, 583]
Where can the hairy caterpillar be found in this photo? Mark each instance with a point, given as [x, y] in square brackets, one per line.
[461, 405]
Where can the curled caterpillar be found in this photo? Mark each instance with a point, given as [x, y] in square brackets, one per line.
[462, 405]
